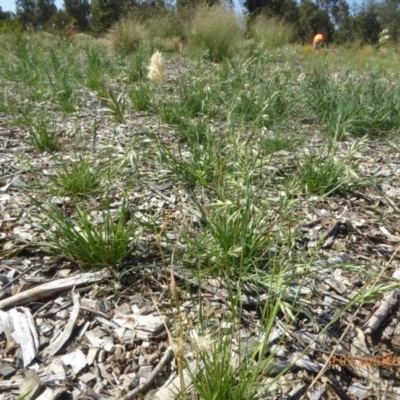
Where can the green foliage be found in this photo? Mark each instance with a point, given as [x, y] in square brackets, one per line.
[4, 15]
[326, 174]
[115, 105]
[60, 74]
[10, 25]
[205, 164]
[263, 105]
[90, 242]
[222, 374]
[313, 20]
[95, 68]
[137, 65]
[141, 96]
[105, 13]
[42, 136]
[235, 239]
[197, 131]
[195, 96]
[25, 12]
[352, 106]
[285, 9]
[79, 10]
[80, 178]
[34, 13]
[367, 26]
[59, 21]
[322, 176]
[279, 141]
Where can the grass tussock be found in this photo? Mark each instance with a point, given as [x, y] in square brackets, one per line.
[126, 35]
[94, 242]
[163, 31]
[215, 32]
[271, 33]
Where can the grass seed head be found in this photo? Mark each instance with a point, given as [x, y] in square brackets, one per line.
[156, 68]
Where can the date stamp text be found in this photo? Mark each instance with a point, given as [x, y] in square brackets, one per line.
[364, 361]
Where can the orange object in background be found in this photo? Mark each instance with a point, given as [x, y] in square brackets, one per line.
[318, 40]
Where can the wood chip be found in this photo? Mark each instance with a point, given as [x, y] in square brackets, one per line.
[56, 345]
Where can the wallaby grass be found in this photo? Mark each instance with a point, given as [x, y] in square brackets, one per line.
[349, 105]
[81, 178]
[226, 125]
[91, 242]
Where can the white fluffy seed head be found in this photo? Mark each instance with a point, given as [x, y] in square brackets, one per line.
[156, 68]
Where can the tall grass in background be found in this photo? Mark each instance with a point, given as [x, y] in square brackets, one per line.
[165, 30]
[157, 31]
[270, 33]
[215, 32]
[126, 35]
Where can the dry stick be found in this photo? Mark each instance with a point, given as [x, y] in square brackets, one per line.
[321, 372]
[166, 357]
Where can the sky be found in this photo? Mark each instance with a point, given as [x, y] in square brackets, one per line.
[9, 5]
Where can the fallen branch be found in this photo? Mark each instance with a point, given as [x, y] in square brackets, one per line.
[57, 286]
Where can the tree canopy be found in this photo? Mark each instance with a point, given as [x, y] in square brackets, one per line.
[336, 19]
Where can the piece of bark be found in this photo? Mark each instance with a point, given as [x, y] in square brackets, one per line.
[57, 286]
[15, 383]
[390, 300]
[148, 325]
[6, 370]
[359, 390]
[6, 325]
[25, 334]
[19, 327]
[86, 378]
[369, 373]
[318, 392]
[56, 368]
[91, 356]
[172, 389]
[76, 360]
[30, 385]
[104, 373]
[341, 393]
[46, 395]
[59, 342]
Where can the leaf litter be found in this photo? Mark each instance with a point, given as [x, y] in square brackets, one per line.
[110, 334]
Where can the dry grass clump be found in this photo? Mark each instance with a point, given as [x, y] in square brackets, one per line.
[82, 38]
[271, 33]
[215, 31]
[165, 30]
[126, 35]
